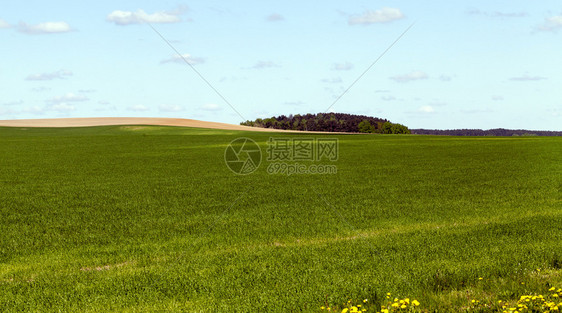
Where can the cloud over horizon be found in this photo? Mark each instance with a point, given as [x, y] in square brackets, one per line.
[138, 108]
[69, 97]
[211, 107]
[170, 108]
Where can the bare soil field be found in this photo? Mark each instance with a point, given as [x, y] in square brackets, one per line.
[155, 121]
[104, 121]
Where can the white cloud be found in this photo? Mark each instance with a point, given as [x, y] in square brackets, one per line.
[388, 98]
[275, 17]
[211, 107]
[170, 108]
[342, 66]
[4, 24]
[551, 24]
[263, 64]
[62, 107]
[416, 75]
[106, 108]
[69, 97]
[500, 14]
[138, 108]
[34, 110]
[527, 77]
[335, 80]
[60, 74]
[426, 109]
[41, 89]
[383, 15]
[7, 111]
[183, 58]
[445, 78]
[140, 16]
[497, 98]
[13, 103]
[510, 14]
[44, 28]
[474, 11]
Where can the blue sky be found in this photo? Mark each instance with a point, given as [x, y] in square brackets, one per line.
[463, 64]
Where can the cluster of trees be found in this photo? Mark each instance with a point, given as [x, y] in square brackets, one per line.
[330, 122]
[490, 132]
[386, 128]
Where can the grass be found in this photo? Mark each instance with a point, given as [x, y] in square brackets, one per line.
[150, 219]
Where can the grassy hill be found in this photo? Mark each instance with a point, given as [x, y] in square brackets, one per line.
[144, 218]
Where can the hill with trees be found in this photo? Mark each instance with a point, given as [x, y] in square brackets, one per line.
[330, 122]
[351, 123]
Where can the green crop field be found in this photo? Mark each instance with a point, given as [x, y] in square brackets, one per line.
[103, 219]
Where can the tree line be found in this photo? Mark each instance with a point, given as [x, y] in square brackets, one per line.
[330, 122]
[490, 132]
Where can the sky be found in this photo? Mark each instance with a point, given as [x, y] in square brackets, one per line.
[435, 65]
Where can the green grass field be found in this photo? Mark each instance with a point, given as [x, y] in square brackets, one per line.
[133, 219]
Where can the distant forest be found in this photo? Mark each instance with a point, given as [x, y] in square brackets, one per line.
[351, 123]
[491, 132]
[330, 122]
